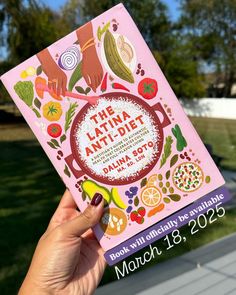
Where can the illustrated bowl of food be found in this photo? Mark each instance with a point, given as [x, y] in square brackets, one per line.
[188, 177]
[119, 148]
[113, 221]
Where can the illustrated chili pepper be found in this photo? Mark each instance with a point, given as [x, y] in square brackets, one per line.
[104, 83]
[119, 86]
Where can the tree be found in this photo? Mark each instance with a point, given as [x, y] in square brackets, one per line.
[211, 28]
[30, 28]
[151, 16]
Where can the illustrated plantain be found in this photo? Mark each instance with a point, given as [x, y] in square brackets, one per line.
[114, 60]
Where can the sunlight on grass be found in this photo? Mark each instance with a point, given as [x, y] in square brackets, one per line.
[31, 189]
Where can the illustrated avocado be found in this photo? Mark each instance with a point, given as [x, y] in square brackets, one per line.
[117, 199]
[91, 188]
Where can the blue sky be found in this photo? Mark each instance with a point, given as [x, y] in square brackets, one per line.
[172, 4]
[55, 4]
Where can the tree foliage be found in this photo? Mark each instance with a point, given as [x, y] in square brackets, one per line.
[210, 27]
[205, 34]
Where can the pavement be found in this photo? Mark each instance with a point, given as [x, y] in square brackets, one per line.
[208, 270]
[230, 179]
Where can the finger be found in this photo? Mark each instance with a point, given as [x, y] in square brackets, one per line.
[54, 87]
[59, 87]
[85, 220]
[67, 203]
[63, 87]
[87, 80]
[50, 85]
[101, 76]
[94, 83]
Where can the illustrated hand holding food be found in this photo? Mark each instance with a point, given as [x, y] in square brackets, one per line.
[130, 142]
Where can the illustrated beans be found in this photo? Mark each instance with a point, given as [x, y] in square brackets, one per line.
[167, 184]
[160, 184]
[160, 177]
[164, 190]
[171, 190]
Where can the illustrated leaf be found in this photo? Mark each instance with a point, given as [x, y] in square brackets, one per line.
[80, 89]
[100, 31]
[167, 150]
[173, 160]
[106, 27]
[84, 196]
[66, 171]
[167, 174]
[36, 113]
[175, 197]
[70, 114]
[166, 200]
[87, 90]
[37, 103]
[39, 70]
[143, 182]
[62, 138]
[51, 145]
[55, 142]
[136, 201]
[75, 77]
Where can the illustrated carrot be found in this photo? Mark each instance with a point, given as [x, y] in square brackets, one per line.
[119, 86]
[157, 209]
[104, 83]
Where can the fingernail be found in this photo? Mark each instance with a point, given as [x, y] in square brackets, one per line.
[96, 200]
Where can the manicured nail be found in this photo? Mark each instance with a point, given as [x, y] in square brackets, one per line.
[96, 200]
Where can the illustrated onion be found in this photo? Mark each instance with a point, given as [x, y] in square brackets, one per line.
[69, 58]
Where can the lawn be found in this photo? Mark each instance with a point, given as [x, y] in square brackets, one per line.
[221, 134]
[30, 191]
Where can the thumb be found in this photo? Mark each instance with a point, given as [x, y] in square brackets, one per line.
[87, 219]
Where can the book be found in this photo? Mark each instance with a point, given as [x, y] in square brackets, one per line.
[110, 123]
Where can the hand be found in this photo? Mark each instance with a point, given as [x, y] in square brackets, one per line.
[91, 68]
[68, 258]
[57, 79]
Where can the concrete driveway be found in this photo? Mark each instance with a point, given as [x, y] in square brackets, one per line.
[209, 270]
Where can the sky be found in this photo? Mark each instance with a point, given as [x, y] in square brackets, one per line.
[172, 5]
[56, 4]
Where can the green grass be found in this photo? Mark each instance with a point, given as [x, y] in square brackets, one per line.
[221, 134]
[30, 190]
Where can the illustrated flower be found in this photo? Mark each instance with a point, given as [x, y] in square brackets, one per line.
[52, 111]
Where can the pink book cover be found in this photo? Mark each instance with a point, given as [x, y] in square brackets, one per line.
[110, 123]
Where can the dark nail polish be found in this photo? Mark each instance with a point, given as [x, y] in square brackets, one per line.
[96, 200]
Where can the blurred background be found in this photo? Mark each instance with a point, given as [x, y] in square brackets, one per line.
[194, 42]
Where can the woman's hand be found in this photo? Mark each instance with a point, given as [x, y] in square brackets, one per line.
[68, 259]
[57, 79]
[91, 68]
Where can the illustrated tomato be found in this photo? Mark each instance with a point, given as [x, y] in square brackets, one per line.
[54, 130]
[148, 88]
[52, 111]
